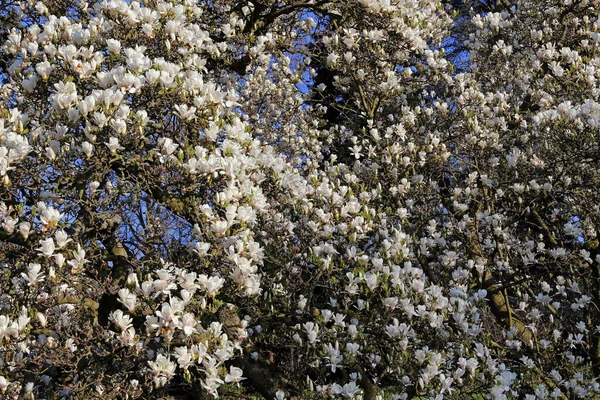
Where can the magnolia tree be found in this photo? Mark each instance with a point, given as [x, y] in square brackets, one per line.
[304, 199]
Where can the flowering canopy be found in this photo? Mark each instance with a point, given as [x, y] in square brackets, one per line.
[299, 199]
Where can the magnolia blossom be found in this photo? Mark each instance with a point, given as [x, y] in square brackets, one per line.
[234, 375]
[163, 367]
[47, 247]
[33, 274]
[113, 145]
[61, 238]
[127, 298]
[3, 383]
[79, 260]
[8, 328]
[50, 215]
[213, 284]
[188, 324]
[121, 320]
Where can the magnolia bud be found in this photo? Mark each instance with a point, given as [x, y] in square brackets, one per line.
[42, 318]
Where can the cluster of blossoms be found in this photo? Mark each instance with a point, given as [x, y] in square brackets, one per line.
[299, 199]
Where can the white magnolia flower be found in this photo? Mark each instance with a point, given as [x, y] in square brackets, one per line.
[213, 285]
[8, 328]
[47, 247]
[87, 148]
[24, 229]
[9, 224]
[163, 366]
[61, 238]
[50, 216]
[121, 320]
[113, 145]
[127, 298]
[78, 261]
[188, 324]
[4, 383]
[234, 375]
[113, 45]
[33, 274]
